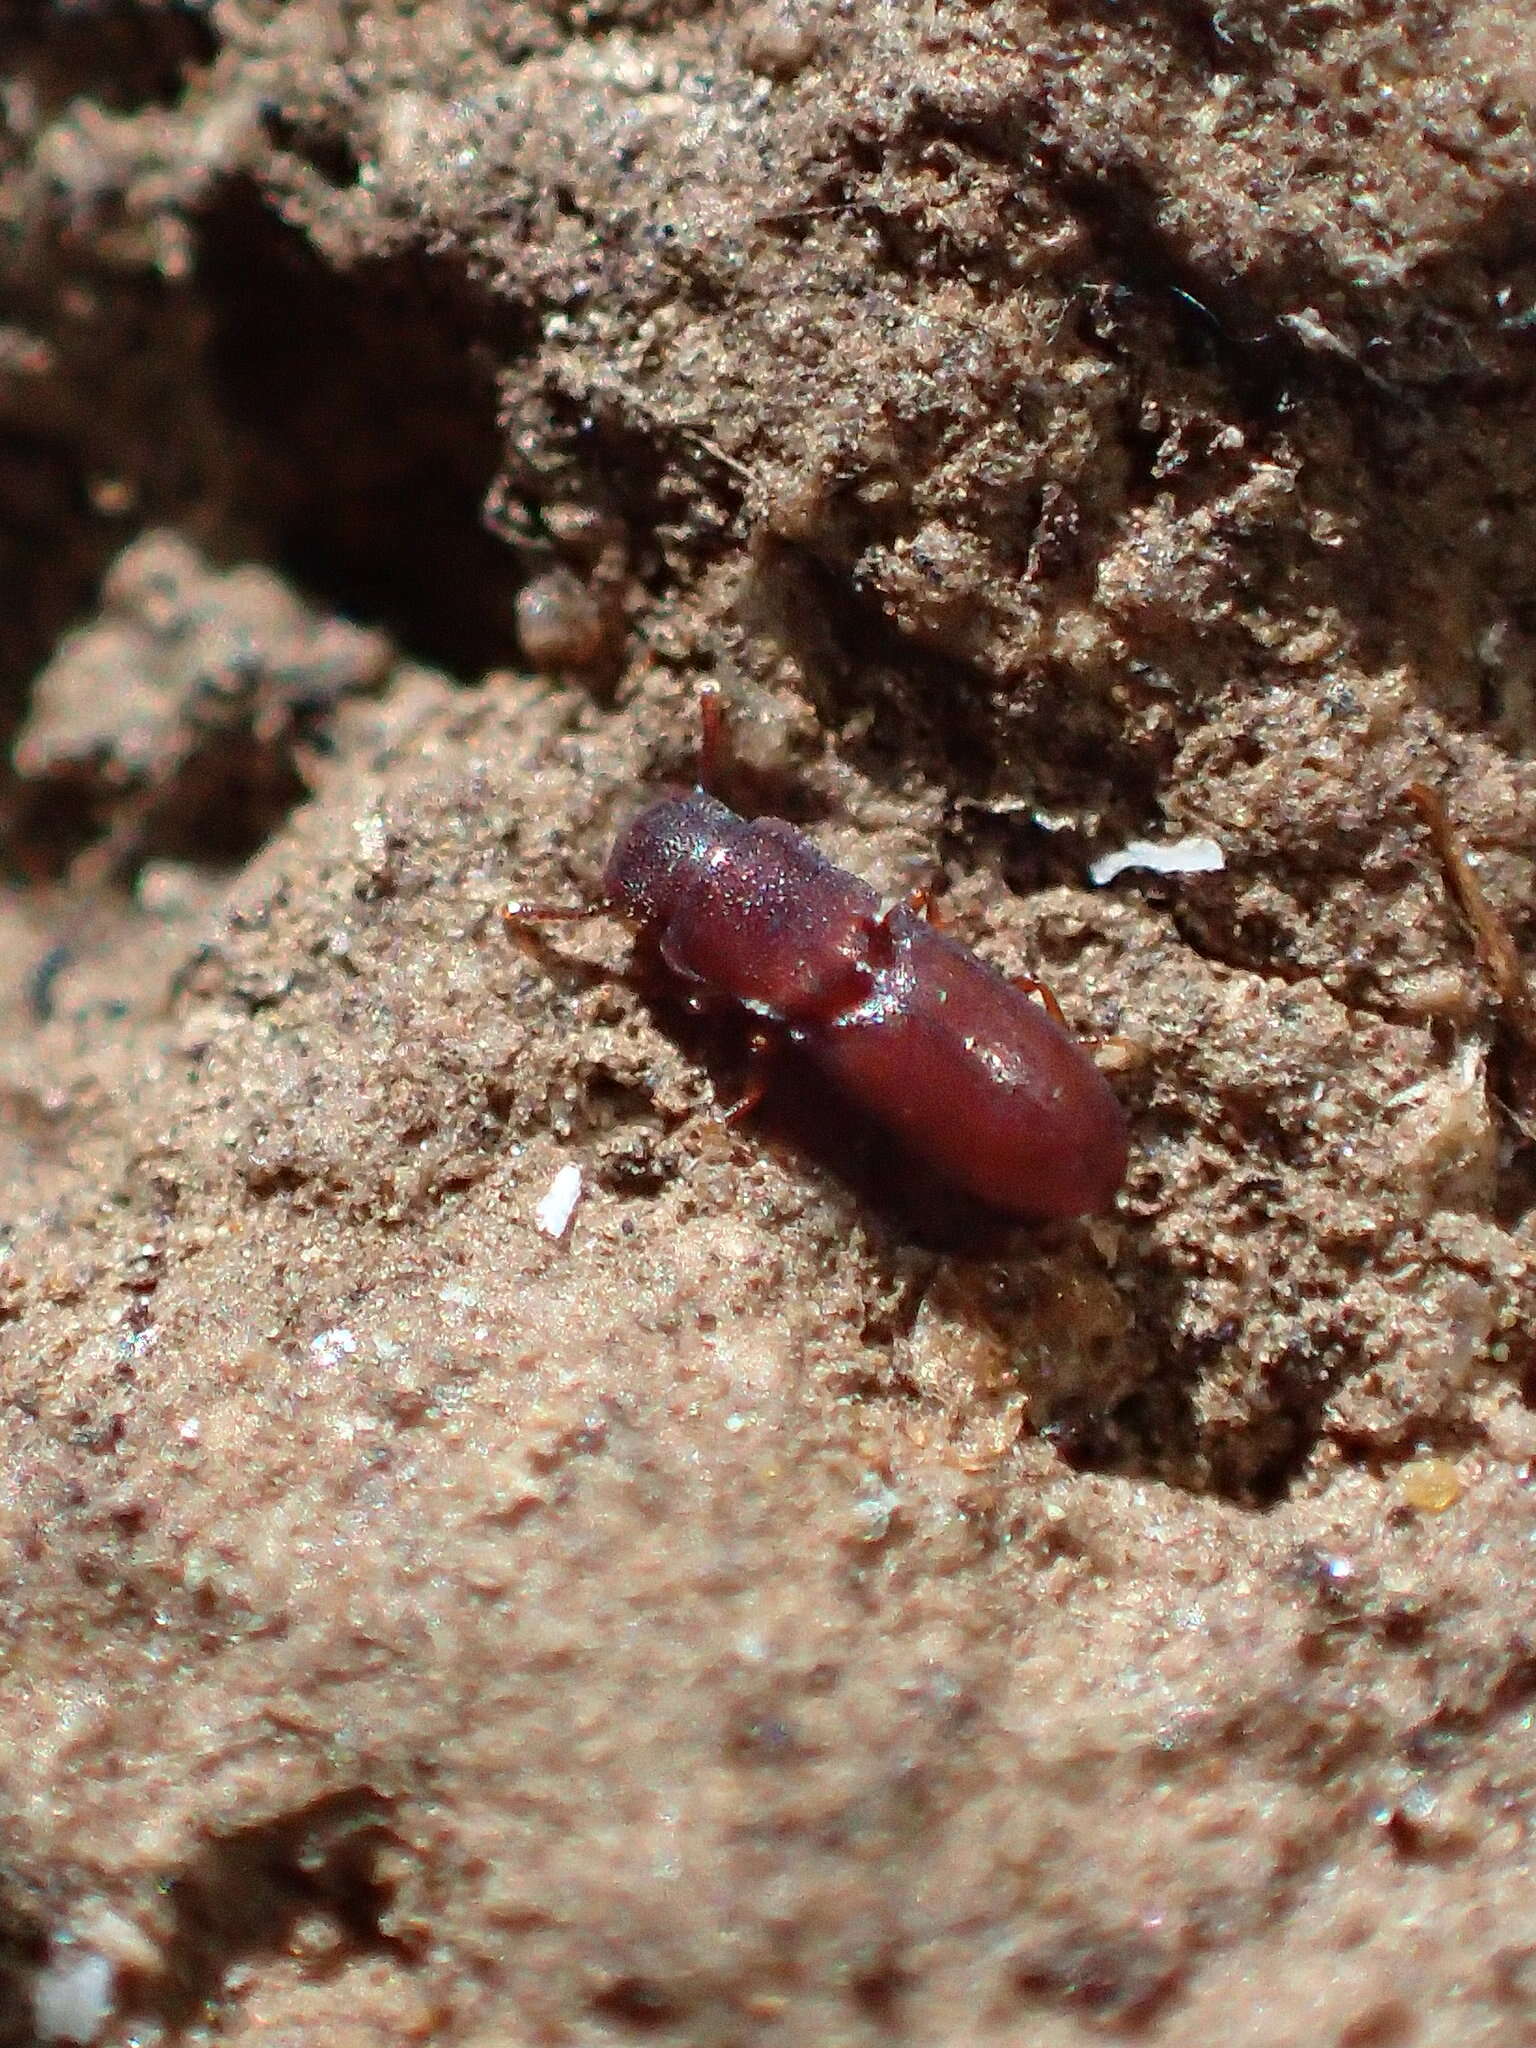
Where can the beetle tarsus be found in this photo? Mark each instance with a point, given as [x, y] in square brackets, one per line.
[1030, 985]
[517, 914]
[762, 1050]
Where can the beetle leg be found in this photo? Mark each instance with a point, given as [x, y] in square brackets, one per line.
[762, 1049]
[515, 916]
[522, 922]
[918, 902]
[1118, 1051]
[1028, 985]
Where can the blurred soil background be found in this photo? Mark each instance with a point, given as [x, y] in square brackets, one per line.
[766, 1613]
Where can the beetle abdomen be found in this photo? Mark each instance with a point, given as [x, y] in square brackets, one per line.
[978, 1080]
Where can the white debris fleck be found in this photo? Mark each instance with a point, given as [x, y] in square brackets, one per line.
[1306, 326]
[1194, 856]
[875, 1510]
[558, 1204]
[372, 838]
[332, 1346]
[72, 1994]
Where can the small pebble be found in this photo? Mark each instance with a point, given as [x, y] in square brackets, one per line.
[560, 624]
[558, 1205]
[1196, 856]
[72, 1995]
[1430, 1485]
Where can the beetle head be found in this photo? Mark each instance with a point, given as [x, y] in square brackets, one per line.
[661, 852]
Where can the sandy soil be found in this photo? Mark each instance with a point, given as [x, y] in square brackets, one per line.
[777, 1610]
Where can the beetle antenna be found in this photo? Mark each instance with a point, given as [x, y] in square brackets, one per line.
[714, 736]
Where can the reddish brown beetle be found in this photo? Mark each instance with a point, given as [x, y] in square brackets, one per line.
[975, 1078]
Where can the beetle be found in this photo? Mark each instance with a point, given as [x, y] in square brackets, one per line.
[974, 1077]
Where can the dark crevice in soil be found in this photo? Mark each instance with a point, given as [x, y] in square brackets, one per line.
[120, 53]
[362, 408]
[248, 1892]
[879, 1993]
[1515, 1188]
[325, 152]
[216, 814]
[338, 426]
[636, 2005]
[854, 660]
[1214, 43]
[1198, 321]
[1156, 1433]
[1212, 325]
[53, 549]
[22, 1949]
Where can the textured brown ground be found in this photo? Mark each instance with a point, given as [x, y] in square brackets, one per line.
[747, 1622]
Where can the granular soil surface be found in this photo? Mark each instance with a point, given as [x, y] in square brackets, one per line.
[776, 1607]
